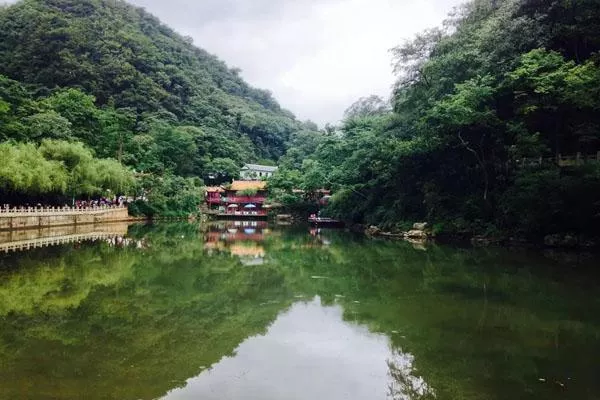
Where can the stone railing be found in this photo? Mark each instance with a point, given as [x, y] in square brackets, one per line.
[31, 217]
[56, 210]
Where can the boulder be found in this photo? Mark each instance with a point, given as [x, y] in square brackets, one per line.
[420, 226]
[415, 234]
[552, 240]
[570, 241]
[559, 240]
[392, 235]
[373, 230]
[588, 243]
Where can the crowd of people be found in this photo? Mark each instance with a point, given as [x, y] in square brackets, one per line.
[103, 201]
[80, 204]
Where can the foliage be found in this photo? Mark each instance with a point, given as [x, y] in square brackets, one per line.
[95, 57]
[25, 169]
[115, 79]
[58, 167]
[482, 109]
[246, 192]
[168, 196]
[367, 106]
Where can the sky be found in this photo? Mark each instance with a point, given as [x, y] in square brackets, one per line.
[317, 57]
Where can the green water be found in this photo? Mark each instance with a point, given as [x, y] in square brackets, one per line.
[247, 312]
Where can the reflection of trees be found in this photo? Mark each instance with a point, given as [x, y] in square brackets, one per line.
[481, 323]
[404, 384]
[131, 324]
[62, 282]
[123, 323]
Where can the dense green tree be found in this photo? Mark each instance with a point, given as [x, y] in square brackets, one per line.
[25, 169]
[58, 168]
[482, 109]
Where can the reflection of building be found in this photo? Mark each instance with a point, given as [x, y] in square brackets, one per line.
[249, 253]
[250, 172]
[239, 238]
[231, 231]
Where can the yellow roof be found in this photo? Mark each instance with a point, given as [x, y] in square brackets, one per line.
[248, 185]
[211, 189]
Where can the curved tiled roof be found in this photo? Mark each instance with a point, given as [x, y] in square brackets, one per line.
[260, 168]
[248, 185]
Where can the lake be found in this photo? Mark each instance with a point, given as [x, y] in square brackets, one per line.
[244, 310]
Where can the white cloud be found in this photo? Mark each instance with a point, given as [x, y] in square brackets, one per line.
[316, 56]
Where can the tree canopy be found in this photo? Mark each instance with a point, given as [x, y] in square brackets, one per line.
[114, 78]
[483, 110]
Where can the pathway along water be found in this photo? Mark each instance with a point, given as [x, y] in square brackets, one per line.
[239, 310]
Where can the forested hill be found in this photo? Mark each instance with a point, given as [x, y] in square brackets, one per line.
[483, 110]
[144, 94]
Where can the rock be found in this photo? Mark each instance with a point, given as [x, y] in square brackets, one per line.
[552, 240]
[589, 243]
[570, 241]
[392, 235]
[559, 240]
[415, 234]
[373, 230]
[420, 226]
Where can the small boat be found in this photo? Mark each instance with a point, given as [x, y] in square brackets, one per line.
[323, 221]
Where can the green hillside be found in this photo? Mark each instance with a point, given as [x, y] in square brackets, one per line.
[153, 90]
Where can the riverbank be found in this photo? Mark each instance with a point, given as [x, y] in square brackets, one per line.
[422, 232]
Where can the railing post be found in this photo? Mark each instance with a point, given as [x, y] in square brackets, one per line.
[578, 158]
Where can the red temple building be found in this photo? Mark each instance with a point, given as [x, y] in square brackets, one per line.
[213, 196]
[241, 198]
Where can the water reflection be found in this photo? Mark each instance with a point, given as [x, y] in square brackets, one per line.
[237, 310]
[27, 239]
[239, 238]
[309, 352]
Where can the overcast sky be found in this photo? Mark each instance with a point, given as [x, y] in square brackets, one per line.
[316, 56]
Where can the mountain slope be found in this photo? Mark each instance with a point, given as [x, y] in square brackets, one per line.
[128, 60]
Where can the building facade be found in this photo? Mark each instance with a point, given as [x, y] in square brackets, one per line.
[241, 198]
[255, 172]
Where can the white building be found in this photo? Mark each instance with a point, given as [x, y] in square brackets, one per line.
[255, 172]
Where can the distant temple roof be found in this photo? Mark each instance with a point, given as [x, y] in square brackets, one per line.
[214, 189]
[259, 168]
[248, 185]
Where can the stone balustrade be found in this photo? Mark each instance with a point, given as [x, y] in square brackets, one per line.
[56, 210]
[31, 217]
